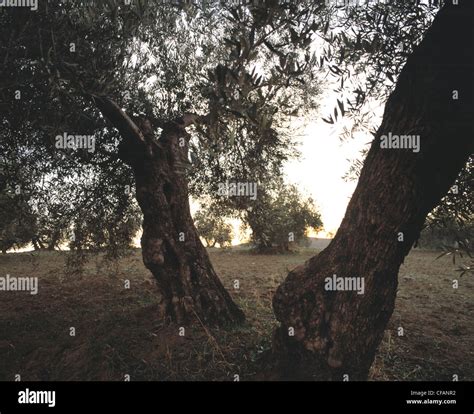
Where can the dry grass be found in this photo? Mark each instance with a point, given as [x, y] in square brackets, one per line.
[118, 331]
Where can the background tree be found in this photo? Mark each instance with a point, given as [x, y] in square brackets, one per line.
[281, 218]
[213, 228]
[61, 196]
[17, 224]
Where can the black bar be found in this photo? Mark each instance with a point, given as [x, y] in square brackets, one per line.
[317, 397]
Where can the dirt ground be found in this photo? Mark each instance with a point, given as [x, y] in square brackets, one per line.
[118, 332]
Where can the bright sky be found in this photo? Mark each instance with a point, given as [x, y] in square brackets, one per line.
[319, 172]
[323, 163]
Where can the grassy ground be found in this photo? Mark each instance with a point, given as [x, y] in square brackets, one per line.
[118, 332]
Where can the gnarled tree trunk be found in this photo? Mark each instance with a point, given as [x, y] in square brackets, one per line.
[328, 334]
[171, 247]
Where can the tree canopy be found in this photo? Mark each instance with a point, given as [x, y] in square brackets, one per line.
[247, 68]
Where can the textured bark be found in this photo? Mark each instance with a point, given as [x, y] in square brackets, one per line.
[171, 247]
[337, 333]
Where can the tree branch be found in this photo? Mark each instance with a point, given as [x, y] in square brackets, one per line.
[119, 119]
[190, 119]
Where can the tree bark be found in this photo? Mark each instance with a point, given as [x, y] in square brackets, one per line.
[171, 247]
[325, 335]
[35, 244]
[54, 241]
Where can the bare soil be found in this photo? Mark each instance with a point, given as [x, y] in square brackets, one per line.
[118, 332]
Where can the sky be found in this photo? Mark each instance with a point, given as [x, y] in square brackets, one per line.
[324, 161]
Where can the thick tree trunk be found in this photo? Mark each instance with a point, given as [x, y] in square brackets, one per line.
[171, 247]
[328, 334]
